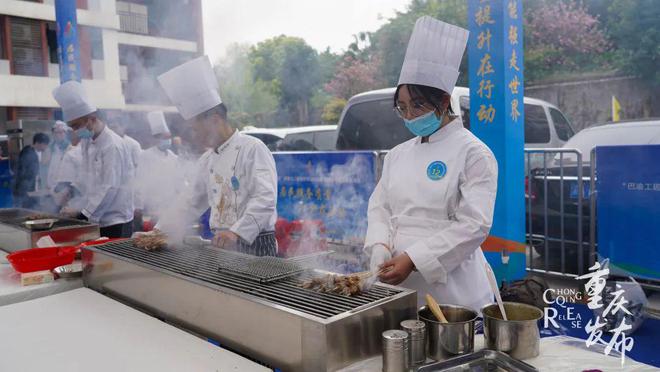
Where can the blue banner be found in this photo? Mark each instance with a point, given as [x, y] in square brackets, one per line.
[68, 48]
[497, 117]
[333, 187]
[628, 209]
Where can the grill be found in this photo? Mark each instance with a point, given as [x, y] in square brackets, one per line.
[16, 236]
[276, 321]
[211, 265]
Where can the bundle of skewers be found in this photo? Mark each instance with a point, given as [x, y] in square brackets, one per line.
[151, 242]
[345, 285]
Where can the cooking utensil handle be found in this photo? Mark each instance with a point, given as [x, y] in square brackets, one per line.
[435, 308]
[493, 286]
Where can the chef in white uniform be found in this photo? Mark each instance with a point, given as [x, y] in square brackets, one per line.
[68, 188]
[236, 176]
[157, 167]
[106, 169]
[118, 125]
[57, 148]
[433, 206]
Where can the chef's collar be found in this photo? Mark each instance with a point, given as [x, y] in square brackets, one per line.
[103, 137]
[445, 131]
[222, 147]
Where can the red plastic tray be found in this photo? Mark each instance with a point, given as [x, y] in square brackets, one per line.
[37, 259]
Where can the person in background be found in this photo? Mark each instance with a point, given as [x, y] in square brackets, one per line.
[177, 145]
[68, 189]
[157, 167]
[236, 176]
[57, 148]
[433, 205]
[27, 171]
[118, 125]
[107, 167]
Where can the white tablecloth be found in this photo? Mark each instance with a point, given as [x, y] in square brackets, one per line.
[82, 330]
[12, 292]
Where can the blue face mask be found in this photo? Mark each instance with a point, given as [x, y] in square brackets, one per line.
[424, 125]
[84, 133]
[164, 144]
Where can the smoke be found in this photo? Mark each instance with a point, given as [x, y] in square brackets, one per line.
[164, 188]
[338, 200]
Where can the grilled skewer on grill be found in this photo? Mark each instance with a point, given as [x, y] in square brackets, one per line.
[345, 285]
[151, 242]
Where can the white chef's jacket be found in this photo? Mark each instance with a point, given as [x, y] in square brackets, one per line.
[249, 208]
[155, 181]
[56, 156]
[107, 169]
[69, 172]
[435, 202]
[134, 148]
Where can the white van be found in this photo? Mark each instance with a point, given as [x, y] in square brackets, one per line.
[369, 122]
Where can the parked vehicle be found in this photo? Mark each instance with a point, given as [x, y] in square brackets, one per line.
[369, 122]
[308, 138]
[639, 132]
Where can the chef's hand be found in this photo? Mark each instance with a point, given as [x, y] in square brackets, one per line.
[379, 254]
[69, 212]
[225, 239]
[396, 270]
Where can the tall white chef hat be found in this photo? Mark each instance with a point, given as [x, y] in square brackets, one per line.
[192, 87]
[59, 124]
[157, 123]
[434, 54]
[73, 100]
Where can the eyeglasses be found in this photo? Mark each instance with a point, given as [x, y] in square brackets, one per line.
[418, 108]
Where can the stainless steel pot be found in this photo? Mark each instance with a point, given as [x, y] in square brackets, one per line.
[453, 338]
[519, 336]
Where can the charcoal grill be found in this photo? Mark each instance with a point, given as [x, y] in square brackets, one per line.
[15, 235]
[276, 322]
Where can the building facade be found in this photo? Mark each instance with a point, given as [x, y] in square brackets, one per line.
[124, 45]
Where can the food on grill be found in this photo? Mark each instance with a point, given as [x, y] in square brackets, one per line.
[345, 285]
[34, 217]
[151, 242]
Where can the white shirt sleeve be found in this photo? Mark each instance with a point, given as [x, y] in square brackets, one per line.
[379, 213]
[439, 254]
[261, 180]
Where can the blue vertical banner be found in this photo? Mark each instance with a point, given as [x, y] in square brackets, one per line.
[68, 48]
[495, 54]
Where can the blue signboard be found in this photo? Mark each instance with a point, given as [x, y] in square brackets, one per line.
[496, 116]
[68, 49]
[628, 209]
[333, 187]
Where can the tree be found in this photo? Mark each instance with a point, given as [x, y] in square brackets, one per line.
[332, 110]
[355, 76]
[290, 69]
[636, 33]
[249, 102]
[561, 36]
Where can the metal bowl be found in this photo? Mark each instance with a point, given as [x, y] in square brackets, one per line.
[73, 270]
[43, 224]
[446, 340]
[519, 336]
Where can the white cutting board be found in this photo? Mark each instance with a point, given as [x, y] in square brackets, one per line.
[82, 330]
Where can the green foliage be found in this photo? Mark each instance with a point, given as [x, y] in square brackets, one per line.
[636, 33]
[332, 110]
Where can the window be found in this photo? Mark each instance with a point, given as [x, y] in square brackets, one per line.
[270, 140]
[298, 142]
[133, 17]
[372, 126]
[51, 38]
[2, 38]
[562, 126]
[537, 129]
[26, 47]
[325, 140]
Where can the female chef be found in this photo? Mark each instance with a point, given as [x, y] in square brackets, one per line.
[433, 206]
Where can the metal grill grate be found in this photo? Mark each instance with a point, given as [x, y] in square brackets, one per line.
[262, 269]
[202, 263]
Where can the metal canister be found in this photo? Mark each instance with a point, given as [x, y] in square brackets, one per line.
[417, 335]
[395, 351]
